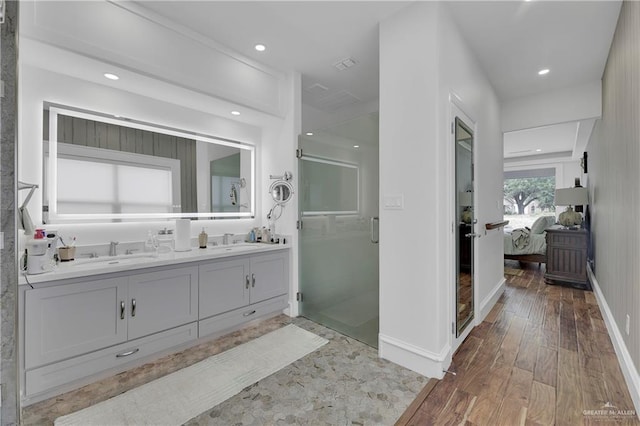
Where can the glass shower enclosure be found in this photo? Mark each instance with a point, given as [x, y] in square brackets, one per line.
[338, 258]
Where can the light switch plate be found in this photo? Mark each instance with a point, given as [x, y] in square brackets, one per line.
[393, 202]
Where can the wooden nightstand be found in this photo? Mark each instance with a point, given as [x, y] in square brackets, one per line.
[567, 257]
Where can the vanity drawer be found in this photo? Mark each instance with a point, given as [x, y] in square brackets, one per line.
[224, 322]
[53, 375]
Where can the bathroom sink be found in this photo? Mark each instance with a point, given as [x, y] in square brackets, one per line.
[237, 247]
[113, 260]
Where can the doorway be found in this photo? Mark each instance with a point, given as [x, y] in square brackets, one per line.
[338, 237]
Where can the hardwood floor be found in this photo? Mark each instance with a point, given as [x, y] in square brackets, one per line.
[541, 357]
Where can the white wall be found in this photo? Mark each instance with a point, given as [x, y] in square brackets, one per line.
[278, 156]
[559, 106]
[123, 34]
[422, 60]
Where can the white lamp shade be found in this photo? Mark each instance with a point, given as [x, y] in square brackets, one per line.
[572, 196]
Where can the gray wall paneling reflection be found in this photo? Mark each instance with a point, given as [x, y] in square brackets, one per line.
[95, 134]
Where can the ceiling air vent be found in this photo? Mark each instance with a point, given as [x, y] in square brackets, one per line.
[344, 64]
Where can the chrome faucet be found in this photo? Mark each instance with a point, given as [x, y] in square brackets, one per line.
[112, 248]
[225, 239]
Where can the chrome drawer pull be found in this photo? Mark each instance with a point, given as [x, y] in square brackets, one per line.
[133, 307]
[247, 282]
[246, 314]
[131, 352]
[253, 280]
[122, 308]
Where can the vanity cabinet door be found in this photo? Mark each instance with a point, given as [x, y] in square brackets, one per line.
[224, 286]
[269, 276]
[72, 319]
[162, 300]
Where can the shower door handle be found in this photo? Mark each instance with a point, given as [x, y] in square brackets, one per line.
[375, 239]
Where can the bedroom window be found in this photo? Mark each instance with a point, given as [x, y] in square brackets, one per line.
[528, 194]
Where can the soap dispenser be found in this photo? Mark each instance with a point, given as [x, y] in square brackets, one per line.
[202, 239]
[149, 244]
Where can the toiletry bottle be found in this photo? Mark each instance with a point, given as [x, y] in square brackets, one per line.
[202, 239]
[149, 244]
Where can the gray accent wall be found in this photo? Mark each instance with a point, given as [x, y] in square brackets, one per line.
[614, 179]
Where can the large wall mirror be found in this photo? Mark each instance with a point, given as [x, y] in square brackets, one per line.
[99, 167]
[464, 145]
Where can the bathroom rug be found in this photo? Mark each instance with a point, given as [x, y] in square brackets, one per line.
[184, 394]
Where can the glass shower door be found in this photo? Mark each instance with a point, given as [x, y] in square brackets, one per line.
[339, 228]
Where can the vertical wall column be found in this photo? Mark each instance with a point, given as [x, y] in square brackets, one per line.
[10, 411]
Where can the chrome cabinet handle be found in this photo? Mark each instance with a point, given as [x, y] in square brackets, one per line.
[246, 314]
[247, 282]
[372, 224]
[133, 307]
[253, 280]
[131, 352]
[471, 235]
[122, 309]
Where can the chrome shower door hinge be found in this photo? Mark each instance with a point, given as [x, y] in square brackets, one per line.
[299, 297]
[299, 224]
[299, 153]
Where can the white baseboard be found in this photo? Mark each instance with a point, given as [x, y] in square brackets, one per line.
[421, 361]
[624, 357]
[489, 302]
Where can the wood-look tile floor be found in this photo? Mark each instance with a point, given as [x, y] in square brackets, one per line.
[541, 357]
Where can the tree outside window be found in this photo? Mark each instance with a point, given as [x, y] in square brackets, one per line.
[527, 198]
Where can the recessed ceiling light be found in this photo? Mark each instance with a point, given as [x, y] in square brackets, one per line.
[260, 47]
[111, 76]
[309, 133]
[538, 150]
[235, 112]
[543, 71]
[356, 146]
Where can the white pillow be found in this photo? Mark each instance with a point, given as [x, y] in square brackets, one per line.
[542, 223]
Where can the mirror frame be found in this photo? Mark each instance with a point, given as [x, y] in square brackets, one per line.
[50, 211]
[273, 192]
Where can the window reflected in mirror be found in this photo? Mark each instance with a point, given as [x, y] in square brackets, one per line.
[115, 169]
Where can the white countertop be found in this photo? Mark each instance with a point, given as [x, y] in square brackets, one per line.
[109, 264]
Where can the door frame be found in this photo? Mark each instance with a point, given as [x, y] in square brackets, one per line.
[458, 109]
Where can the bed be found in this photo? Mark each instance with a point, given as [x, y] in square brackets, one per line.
[528, 244]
